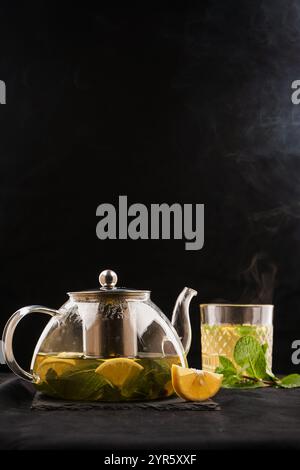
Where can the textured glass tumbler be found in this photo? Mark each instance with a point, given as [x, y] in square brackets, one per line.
[222, 325]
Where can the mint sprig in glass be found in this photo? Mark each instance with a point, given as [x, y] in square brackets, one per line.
[237, 341]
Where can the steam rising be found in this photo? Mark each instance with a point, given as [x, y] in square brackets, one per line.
[259, 280]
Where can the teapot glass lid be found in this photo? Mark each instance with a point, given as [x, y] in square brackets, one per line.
[108, 286]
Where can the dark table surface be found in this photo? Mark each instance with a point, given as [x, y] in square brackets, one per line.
[260, 419]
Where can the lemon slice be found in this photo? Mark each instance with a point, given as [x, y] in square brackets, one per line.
[169, 388]
[195, 385]
[70, 355]
[60, 366]
[118, 370]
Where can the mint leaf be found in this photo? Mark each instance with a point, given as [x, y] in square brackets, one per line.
[251, 371]
[238, 382]
[226, 368]
[226, 364]
[290, 381]
[78, 384]
[249, 355]
[150, 383]
[246, 330]
[83, 384]
[231, 381]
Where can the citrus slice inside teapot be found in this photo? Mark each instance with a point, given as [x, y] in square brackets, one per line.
[110, 344]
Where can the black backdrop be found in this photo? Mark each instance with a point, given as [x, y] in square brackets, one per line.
[186, 104]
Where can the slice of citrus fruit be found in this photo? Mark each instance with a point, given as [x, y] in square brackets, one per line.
[195, 385]
[60, 366]
[169, 388]
[70, 355]
[119, 370]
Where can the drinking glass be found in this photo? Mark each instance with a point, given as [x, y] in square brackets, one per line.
[223, 324]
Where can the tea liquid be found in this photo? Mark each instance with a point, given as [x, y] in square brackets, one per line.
[71, 376]
[220, 340]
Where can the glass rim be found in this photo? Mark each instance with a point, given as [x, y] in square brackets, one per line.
[236, 305]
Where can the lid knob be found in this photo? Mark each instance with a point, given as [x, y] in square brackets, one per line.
[108, 279]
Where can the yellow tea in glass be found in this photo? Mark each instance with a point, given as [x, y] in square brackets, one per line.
[222, 325]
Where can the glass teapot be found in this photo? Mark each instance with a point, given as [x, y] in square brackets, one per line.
[109, 344]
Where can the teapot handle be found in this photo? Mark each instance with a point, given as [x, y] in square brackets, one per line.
[8, 333]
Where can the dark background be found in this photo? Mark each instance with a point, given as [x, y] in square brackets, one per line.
[187, 104]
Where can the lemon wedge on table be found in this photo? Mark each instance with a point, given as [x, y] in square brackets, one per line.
[195, 385]
[118, 370]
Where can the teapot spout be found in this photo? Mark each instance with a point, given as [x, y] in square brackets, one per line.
[181, 317]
